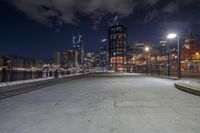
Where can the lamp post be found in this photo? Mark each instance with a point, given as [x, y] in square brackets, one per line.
[147, 49]
[172, 36]
[168, 63]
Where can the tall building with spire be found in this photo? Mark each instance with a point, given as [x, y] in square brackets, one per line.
[117, 39]
[79, 47]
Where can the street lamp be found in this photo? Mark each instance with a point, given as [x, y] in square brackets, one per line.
[147, 49]
[173, 36]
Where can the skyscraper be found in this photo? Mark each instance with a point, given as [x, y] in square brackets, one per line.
[79, 47]
[71, 58]
[117, 40]
[57, 58]
[101, 56]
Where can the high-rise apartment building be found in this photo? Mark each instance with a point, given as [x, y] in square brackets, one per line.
[117, 39]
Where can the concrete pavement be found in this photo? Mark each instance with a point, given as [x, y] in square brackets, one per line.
[103, 103]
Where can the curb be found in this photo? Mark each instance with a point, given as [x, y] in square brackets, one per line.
[187, 88]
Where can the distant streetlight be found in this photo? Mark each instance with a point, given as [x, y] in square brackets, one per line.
[147, 49]
[173, 36]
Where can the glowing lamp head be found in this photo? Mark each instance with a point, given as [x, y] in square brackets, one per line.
[171, 36]
[103, 40]
[147, 49]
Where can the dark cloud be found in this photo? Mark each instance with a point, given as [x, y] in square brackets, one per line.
[180, 27]
[173, 6]
[96, 18]
[176, 5]
[65, 10]
[150, 2]
[151, 16]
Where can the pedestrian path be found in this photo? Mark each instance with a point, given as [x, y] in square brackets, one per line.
[102, 104]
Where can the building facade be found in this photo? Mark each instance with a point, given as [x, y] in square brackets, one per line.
[190, 54]
[117, 39]
[71, 59]
[1, 61]
[190, 48]
[101, 56]
[79, 48]
[57, 58]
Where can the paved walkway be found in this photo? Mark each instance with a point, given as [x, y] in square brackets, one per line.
[103, 104]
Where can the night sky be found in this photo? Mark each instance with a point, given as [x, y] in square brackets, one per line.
[36, 28]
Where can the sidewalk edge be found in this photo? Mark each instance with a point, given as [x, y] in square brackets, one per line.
[187, 88]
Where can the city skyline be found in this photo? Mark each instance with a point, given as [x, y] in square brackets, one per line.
[146, 21]
[99, 66]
